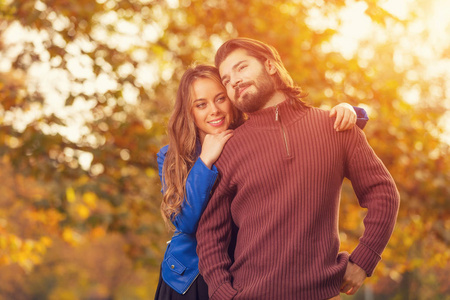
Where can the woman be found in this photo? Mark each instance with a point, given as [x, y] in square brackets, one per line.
[201, 123]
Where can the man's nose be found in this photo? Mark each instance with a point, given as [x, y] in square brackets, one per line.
[235, 82]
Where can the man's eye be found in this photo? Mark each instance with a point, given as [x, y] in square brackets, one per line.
[242, 67]
[226, 82]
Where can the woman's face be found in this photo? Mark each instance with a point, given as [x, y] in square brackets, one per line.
[211, 108]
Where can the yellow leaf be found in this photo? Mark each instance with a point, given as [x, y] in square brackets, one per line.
[28, 246]
[15, 243]
[90, 199]
[46, 241]
[70, 195]
[71, 237]
[83, 211]
[150, 172]
[83, 180]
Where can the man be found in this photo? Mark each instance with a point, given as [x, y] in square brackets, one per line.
[280, 182]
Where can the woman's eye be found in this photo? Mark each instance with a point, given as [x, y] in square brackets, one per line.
[221, 99]
[201, 105]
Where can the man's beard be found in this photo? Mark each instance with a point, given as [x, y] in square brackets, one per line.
[251, 102]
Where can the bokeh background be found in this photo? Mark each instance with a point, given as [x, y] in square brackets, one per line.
[86, 88]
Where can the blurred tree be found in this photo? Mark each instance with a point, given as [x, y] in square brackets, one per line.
[114, 65]
[117, 187]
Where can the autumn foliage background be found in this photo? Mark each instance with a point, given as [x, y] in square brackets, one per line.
[86, 88]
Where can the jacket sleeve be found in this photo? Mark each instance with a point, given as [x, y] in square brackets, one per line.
[160, 157]
[376, 191]
[213, 238]
[361, 117]
[198, 187]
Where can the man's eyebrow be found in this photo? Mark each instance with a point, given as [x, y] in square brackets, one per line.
[234, 68]
[238, 64]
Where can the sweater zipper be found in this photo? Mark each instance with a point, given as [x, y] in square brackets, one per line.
[278, 118]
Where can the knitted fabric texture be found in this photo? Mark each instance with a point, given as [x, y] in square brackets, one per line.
[280, 180]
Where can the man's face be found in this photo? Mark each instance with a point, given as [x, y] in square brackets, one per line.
[247, 81]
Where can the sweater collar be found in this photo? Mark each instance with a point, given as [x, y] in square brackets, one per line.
[288, 112]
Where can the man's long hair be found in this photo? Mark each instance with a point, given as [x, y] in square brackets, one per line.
[183, 139]
[261, 51]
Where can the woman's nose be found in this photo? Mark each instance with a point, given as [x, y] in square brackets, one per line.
[215, 108]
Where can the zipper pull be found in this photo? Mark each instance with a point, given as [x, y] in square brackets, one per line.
[276, 114]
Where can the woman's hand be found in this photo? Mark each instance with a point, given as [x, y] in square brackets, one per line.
[213, 145]
[345, 116]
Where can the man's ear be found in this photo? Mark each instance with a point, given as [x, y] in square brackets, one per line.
[270, 67]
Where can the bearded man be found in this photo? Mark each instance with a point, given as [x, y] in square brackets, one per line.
[280, 182]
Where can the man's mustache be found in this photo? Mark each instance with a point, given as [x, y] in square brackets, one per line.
[241, 86]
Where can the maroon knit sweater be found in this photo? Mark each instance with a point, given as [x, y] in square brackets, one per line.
[280, 183]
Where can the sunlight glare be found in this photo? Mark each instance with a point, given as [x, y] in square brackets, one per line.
[398, 8]
[173, 3]
[85, 160]
[355, 26]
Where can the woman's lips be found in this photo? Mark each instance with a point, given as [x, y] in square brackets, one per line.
[217, 122]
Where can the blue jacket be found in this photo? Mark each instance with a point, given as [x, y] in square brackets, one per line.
[179, 268]
[361, 116]
[180, 265]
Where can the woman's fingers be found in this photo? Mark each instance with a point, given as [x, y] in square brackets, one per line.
[345, 119]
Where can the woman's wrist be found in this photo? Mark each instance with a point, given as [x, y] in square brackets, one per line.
[207, 162]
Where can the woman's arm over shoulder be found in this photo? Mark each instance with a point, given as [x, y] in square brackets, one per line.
[346, 116]
[361, 117]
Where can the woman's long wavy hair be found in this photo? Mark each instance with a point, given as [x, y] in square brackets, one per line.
[262, 52]
[183, 139]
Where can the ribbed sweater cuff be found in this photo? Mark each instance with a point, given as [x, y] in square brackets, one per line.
[224, 292]
[364, 257]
